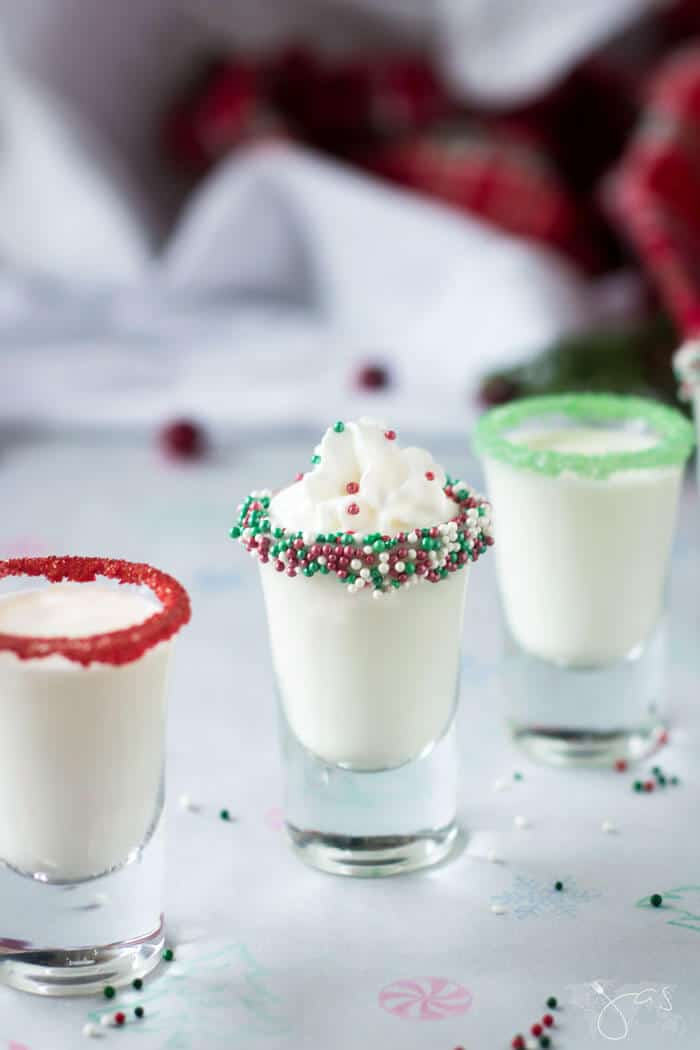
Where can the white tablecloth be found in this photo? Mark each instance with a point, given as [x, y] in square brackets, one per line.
[270, 954]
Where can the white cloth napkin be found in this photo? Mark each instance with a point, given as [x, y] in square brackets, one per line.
[284, 273]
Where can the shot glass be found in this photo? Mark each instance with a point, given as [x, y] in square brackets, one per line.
[82, 732]
[368, 683]
[585, 490]
[686, 365]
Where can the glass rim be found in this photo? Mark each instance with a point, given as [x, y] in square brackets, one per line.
[115, 648]
[686, 367]
[675, 432]
[306, 555]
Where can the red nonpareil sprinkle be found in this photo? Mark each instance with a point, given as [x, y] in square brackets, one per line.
[648, 785]
[662, 738]
[119, 1018]
[429, 475]
[110, 647]
[390, 435]
[518, 1043]
[620, 765]
[299, 477]
[536, 1029]
[351, 488]
[548, 1020]
[352, 508]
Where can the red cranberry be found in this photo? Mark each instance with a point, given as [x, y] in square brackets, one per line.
[372, 377]
[183, 439]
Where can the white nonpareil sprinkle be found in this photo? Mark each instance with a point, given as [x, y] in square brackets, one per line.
[355, 564]
[501, 785]
[106, 1020]
[185, 802]
[91, 1030]
[492, 856]
[521, 822]
[608, 827]
[376, 595]
[499, 909]
[532, 1044]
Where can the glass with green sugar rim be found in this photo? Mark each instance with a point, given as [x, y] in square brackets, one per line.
[585, 489]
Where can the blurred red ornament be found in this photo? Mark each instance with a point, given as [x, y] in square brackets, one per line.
[183, 439]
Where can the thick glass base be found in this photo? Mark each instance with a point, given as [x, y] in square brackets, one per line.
[371, 824]
[587, 716]
[375, 855]
[570, 747]
[73, 938]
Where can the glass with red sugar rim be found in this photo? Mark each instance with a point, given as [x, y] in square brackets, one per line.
[82, 787]
[111, 647]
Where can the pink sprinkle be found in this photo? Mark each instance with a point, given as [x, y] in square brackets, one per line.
[298, 544]
[279, 565]
[291, 573]
[429, 475]
[351, 488]
[390, 435]
[299, 477]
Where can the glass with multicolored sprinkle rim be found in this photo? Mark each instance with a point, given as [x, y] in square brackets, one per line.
[585, 489]
[686, 365]
[364, 562]
[84, 651]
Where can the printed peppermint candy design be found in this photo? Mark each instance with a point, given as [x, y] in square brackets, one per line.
[425, 998]
[374, 561]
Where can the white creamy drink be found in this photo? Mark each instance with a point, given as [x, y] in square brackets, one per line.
[368, 679]
[81, 747]
[582, 559]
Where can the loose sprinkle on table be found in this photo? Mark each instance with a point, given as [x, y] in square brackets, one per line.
[620, 765]
[518, 1042]
[545, 1041]
[501, 785]
[109, 991]
[521, 822]
[648, 785]
[608, 827]
[224, 814]
[168, 955]
[106, 1020]
[90, 1030]
[536, 1029]
[558, 886]
[137, 983]
[638, 786]
[517, 776]
[656, 900]
[120, 1018]
[138, 1012]
[498, 909]
[492, 856]
[552, 1002]
[548, 1020]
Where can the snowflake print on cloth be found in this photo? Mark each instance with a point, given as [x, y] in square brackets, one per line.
[530, 898]
[425, 998]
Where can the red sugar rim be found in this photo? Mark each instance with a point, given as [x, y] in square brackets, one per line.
[110, 647]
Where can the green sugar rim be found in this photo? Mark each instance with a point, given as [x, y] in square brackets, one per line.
[677, 436]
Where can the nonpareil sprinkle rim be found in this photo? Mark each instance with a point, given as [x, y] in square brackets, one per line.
[676, 435]
[376, 562]
[110, 647]
[686, 367]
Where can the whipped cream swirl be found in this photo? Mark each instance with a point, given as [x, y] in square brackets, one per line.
[363, 481]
